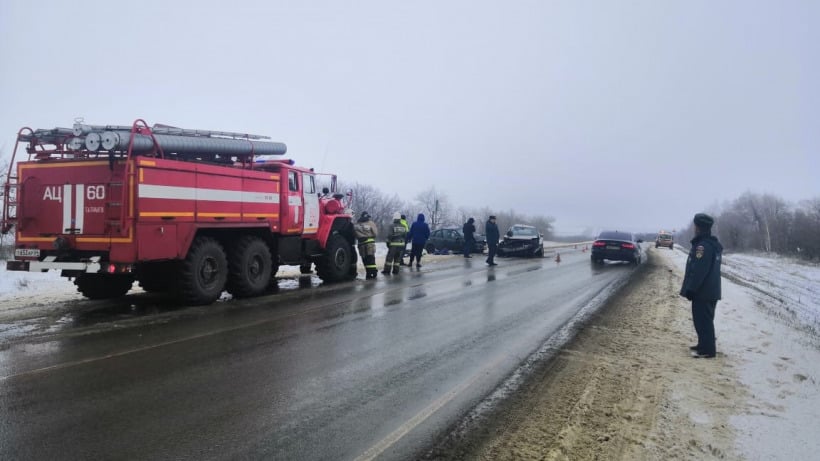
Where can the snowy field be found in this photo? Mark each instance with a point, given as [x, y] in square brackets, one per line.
[786, 287]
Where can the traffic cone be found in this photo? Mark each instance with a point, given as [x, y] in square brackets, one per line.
[558, 258]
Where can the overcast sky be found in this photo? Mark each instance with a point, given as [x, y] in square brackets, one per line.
[630, 115]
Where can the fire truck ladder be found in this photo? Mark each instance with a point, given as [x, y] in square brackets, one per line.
[9, 204]
[10, 189]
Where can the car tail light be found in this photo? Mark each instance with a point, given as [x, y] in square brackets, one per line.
[599, 243]
[628, 246]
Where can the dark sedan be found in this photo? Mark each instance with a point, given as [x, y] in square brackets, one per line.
[452, 240]
[521, 240]
[616, 246]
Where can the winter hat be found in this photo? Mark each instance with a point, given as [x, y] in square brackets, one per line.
[396, 215]
[492, 216]
[703, 220]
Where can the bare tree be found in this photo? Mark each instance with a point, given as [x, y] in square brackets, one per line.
[379, 205]
[436, 206]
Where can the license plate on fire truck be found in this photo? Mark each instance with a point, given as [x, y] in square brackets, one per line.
[27, 253]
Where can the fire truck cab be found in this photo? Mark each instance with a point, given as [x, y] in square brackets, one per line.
[188, 212]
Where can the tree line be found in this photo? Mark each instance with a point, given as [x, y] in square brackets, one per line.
[765, 222]
[439, 211]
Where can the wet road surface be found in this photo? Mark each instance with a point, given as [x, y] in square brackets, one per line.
[363, 370]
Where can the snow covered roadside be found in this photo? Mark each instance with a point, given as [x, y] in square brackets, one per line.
[767, 325]
[34, 288]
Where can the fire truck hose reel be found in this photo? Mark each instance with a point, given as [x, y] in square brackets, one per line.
[118, 141]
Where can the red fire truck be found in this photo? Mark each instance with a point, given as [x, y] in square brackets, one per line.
[189, 212]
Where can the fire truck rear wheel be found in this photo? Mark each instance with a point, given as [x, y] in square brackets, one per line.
[249, 267]
[103, 286]
[336, 265]
[203, 272]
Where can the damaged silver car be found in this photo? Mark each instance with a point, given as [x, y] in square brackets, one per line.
[522, 240]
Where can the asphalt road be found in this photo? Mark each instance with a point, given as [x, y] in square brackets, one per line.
[362, 370]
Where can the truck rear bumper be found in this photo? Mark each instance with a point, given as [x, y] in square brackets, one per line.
[49, 263]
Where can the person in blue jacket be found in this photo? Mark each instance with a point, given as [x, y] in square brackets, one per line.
[418, 235]
[701, 284]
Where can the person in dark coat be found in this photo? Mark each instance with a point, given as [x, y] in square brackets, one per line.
[701, 284]
[492, 235]
[469, 237]
[418, 235]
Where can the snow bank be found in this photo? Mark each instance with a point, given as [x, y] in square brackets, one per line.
[13, 283]
[788, 288]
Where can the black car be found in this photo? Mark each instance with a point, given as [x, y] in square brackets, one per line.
[453, 240]
[616, 246]
[521, 240]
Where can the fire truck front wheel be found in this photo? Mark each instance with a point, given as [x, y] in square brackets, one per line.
[103, 286]
[335, 266]
[249, 267]
[203, 272]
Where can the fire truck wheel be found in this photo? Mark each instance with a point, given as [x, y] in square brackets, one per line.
[249, 267]
[203, 272]
[103, 286]
[335, 266]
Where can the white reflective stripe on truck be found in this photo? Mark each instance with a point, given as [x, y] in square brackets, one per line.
[66, 208]
[48, 263]
[79, 209]
[75, 225]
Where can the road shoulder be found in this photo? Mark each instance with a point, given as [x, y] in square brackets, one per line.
[624, 388]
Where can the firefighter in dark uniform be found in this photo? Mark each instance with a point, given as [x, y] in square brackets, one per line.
[701, 284]
[395, 245]
[365, 230]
